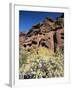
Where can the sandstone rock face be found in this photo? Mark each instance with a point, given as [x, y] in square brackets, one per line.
[21, 38]
[60, 38]
[51, 40]
[48, 34]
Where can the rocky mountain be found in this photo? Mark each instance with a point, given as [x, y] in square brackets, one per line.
[49, 34]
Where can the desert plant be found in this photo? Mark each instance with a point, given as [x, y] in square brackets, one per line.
[22, 56]
[45, 64]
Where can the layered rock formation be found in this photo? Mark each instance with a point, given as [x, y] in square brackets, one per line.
[48, 34]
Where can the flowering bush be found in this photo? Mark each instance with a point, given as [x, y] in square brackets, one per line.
[43, 64]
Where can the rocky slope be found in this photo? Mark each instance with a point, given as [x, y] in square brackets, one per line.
[48, 34]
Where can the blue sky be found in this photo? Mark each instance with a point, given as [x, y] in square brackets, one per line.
[28, 18]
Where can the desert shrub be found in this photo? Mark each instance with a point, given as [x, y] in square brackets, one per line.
[22, 56]
[45, 64]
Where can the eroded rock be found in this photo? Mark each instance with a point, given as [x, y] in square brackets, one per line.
[48, 34]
